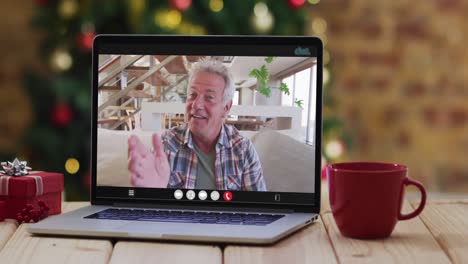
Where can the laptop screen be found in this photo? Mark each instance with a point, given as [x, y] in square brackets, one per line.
[213, 120]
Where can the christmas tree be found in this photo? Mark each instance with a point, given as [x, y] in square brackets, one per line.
[59, 137]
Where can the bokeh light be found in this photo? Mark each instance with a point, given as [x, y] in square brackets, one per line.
[216, 5]
[72, 165]
[168, 19]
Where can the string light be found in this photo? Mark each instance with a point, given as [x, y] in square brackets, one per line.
[324, 39]
[72, 165]
[326, 57]
[191, 29]
[262, 18]
[68, 8]
[135, 10]
[260, 9]
[60, 60]
[295, 4]
[168, 19]
[136, 6]
[216, 5]
[181, 5]
[197, 30]
[173, 19]
[319, 26]
[184, 28]
[334, 149]
[326, 76]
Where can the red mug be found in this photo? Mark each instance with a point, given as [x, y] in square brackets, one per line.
[366, 197]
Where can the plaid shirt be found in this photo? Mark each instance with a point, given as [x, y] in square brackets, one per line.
[237, 166]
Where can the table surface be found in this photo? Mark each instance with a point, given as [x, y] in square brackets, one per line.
[438, 235]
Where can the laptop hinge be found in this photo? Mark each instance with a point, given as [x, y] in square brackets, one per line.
[202, 208]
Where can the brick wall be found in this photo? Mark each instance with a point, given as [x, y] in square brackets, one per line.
[400, 80]
[17, 50]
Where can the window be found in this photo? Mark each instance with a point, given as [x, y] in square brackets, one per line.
[302, 89]
[235, 98]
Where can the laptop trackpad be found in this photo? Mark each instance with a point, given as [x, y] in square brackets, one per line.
[152, 229]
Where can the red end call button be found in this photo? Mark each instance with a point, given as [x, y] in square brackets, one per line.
[227, 196]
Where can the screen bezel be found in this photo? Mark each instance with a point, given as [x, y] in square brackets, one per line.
[207, 45]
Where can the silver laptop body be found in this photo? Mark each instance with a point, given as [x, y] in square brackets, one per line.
[293, 200]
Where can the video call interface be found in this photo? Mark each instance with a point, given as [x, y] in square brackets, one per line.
[206, 127]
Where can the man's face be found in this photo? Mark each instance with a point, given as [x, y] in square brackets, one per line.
[204, 107]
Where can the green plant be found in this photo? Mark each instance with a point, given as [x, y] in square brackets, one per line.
[263, 76]
[299, 103]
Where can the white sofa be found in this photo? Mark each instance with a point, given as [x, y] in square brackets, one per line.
[288, 164]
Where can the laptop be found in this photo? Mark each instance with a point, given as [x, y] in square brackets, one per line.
[201, 138]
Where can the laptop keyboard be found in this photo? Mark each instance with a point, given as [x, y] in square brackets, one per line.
[186, 216]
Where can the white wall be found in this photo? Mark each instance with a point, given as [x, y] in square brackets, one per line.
[247, 95]
[274, 99]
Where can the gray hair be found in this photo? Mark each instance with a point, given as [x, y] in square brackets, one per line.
[215, 66]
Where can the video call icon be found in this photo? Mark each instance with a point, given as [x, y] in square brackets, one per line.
[227, 196]
[202, 195]
[214, 195]
[190, 195]
[178, 194]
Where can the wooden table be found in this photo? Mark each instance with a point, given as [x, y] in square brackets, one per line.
[439, 235]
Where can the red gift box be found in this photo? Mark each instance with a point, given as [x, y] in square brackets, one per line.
[2, 210]
[17, 192]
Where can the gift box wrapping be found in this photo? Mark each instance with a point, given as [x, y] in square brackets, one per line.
[17, 192]
[2, 210]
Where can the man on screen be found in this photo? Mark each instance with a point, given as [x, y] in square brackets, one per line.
[203, 153]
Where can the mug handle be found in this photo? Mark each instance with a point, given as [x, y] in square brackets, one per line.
[416, 212]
